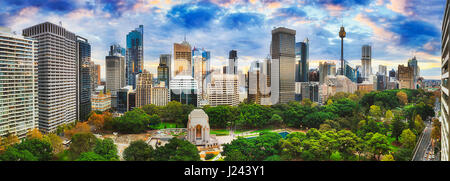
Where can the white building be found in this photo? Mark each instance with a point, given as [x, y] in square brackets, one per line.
[57, 75]
[223, 90]
[18, 84]
[198, 129]
[160, 95]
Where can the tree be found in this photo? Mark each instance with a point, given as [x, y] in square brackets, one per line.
[135, 121]
[273, 158]
[97, 120]
[91, 156]
[220, 115]
[151, 109]
[276, 119]
[336, 156]
[402, 97]
[34, 133]
[14, 154]
[388, 157]
[378, 144]
[436, 131]
[107, 149]
[138, 151]
[42, 150]
[82, 142]
[419, 125]
[235, 155]
[80, 127]
[177, 150]
[408, 139]
[155, 119]
[388, 117]
[397, 127]
[55, 141]
[375, 112]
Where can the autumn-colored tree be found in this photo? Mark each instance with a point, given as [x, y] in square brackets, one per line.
[402, 97]
[419, 124]
[80, 127]
[329, 102]
[375, 112]
[388, 157]
[436, 131]
[389, 116]
[55, 141]
[34, 133]
[97, 120]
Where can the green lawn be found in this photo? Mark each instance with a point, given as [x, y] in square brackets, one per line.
[166, 125]
[220, 132]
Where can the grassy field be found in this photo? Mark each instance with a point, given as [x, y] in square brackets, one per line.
[166, 125]
[220, 132]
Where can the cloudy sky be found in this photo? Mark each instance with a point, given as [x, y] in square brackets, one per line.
[396, 29]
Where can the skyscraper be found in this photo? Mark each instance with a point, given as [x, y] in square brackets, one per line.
[95, 76]
[258, 90]
[182, 59]
[135, 54]
[445, 130]
[366, 61]
[382, 70]
[115, 70]
[232, 62]
[201, 70]
[223, 90]
[84, 78]
[164, 69]
[57, 75]
[302, 61]
[283, 65]
[184, 89]
[416, 71]
[18, 85]
[143, 89]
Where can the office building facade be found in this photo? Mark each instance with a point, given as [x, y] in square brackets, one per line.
[144, 89]
[283, 65]
[366, 61]
[182, 58]
[223, 90]
[164, 69]
[444, 119]
[57, 75]
[84, 78]
[115, 71]
[184, 89]
[18, 84]
[232, 62]
[135, 54]
[302, 61]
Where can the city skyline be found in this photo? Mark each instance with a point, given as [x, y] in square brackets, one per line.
[394, 29]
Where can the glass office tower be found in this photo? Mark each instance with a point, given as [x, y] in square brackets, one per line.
[84, 78]
[135, 54]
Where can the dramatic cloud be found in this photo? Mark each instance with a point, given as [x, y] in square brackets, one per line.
[396, 29]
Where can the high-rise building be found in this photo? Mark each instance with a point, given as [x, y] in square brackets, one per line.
[326, 69]
[444, 119]
[232, 62]
[258, 90]
[126, 99]
[143, 89]
[184, 89]
[115, 70]
[84, 78]
[382, 70]
[366, 61]
[164, 69]
[57, 75]
[223, 90]
[416, 71]
[182, 57]
[201, 70]
[95, 76]
[405, 77]
[283, 65]
[18, 85]
[135, 54]
[302, 61]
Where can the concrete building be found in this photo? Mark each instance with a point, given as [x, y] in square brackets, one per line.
[101, 101]
[57, 75]
[135, 55]
[382, 70]
[416, 71]
[258, 89]
[405, 77]
[143, 89]
[115, 71]
[445, 112]
[95, 75]
[365, 87]
[184, 89]
[160, 95]
[311, 91]
[326, 69]
[283, 65]
[18, 84]
[201, 71]
[126, 99]
[223, 90]
[182, 57]
[366, 61]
